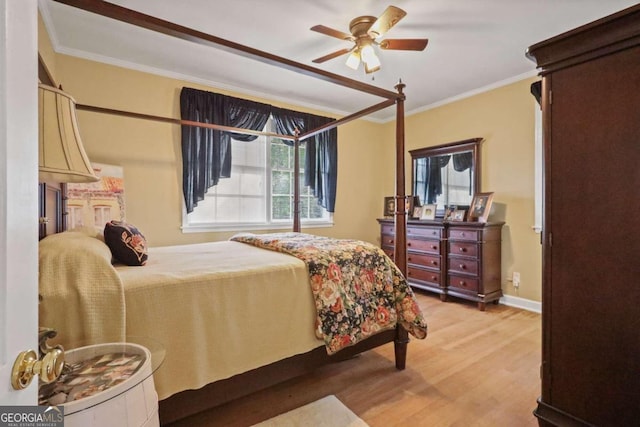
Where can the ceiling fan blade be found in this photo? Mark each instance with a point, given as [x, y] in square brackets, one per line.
[331, 32]
[388, 19]
[332, 55]
[404, 44]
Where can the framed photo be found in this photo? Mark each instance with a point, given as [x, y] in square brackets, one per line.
[458, 215]
[428, 212]
[480, 207]
[417, 212]
[448, 212]
[410, 203]
[389, 206]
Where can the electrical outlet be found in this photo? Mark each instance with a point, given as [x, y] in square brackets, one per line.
[515, 278]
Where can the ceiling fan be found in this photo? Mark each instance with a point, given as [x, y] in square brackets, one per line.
[365, 30]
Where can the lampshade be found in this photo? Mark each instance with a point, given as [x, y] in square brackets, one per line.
[61, 155]
[353, 60]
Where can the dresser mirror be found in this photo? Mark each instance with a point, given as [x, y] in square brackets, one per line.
[446, 175]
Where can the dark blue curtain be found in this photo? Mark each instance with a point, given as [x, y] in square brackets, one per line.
[462, 162]
[430, 178]
[321, 159]
[206, 153]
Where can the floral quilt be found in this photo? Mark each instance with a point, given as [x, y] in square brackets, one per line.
[357, 288]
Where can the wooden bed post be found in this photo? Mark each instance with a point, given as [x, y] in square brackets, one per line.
[296, 182]
[400, 248]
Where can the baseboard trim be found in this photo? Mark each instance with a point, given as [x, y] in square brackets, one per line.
[525, 304]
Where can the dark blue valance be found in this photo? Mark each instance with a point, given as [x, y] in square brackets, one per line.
[206, 153]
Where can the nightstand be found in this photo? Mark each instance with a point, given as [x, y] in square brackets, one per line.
[105, 385]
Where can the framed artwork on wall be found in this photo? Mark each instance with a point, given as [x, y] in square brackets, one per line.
[96, 203]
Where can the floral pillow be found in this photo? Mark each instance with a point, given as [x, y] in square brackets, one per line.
[126, 242]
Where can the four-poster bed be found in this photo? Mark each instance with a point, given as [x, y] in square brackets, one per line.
[188, 402]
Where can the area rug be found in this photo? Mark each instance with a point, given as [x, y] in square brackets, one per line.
[325, 412]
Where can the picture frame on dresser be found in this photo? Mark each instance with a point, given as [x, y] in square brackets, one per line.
[480, 207]
[389, 206]
[448, 212]
[458, 215]
[428, 212]
[417, 212]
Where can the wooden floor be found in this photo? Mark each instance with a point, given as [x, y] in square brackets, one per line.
[474, 369]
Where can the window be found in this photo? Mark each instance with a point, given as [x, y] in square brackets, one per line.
[282, 182]
[259, 193]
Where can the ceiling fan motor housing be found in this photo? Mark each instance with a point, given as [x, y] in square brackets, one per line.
[360, 25]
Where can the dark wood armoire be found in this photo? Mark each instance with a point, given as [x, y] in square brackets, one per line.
[591, 231]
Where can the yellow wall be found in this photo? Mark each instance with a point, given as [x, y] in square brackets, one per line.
[504, 117]
[45, 49]
[149, 152]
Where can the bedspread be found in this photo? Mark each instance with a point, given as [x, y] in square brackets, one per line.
[357, 288]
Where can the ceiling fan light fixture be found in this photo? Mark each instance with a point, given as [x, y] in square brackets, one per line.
[353, 61]
[368, 55]
[363, 32]
[371, 69]
[370, 59]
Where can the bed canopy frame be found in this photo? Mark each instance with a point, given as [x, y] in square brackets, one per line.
[191, 401]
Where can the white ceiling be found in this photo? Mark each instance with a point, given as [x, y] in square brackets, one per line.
[474, 45]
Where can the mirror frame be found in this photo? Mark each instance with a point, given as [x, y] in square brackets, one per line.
[472, 144]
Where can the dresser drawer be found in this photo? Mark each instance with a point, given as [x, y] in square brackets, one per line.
[463, 283]
[423, 275]
[431, 246]
[388, 229]
[387, 240]
[460, 265]
[463, 249]
[463, 234]
[428, 261]
[436, 233]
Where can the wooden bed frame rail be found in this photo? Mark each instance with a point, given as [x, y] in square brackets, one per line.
[190, 402]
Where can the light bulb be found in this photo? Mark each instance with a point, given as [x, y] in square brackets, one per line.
[353, 61]
[371, 61]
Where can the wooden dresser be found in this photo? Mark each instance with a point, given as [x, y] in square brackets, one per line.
[461, 259]
[591, 233]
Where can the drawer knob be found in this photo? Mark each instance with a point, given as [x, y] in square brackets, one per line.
[408, 244]
[434, 278]
[462, 266]
[434, 262]
[391, 241]
[463, 250]
[463, 283]
[462, 234]
[434, 247]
